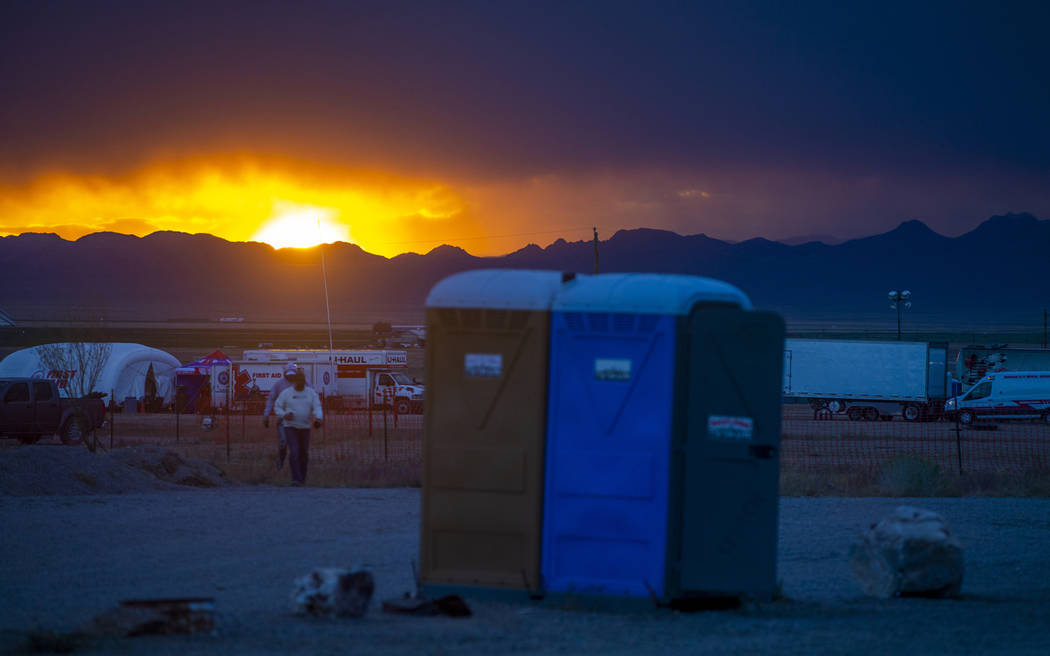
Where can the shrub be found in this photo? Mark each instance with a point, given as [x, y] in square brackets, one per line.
[912, 476]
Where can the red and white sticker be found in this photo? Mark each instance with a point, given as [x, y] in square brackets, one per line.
[721, 427]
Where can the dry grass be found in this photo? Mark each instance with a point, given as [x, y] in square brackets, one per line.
[909, 476]
[819, 458]
[396, 473]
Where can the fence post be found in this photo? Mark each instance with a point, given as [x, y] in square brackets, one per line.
[384, 435]
[111, 417]
[958, 442]
[175, 407]
[227, 424]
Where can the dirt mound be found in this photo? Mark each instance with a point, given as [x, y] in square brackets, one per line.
[171, 467]
[54, 470]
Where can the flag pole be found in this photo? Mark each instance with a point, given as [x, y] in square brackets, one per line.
[327, 305]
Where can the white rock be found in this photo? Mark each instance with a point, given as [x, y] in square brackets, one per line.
[330, 591]
[909, 553]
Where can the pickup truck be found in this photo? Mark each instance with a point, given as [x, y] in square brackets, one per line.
[31, 408]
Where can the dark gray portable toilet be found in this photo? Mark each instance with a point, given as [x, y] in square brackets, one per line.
[662, 442]
[484, 426]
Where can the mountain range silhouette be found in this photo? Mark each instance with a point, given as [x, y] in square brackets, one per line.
[996, 274]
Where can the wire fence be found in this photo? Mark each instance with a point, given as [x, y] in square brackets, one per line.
[351, 448]
[369, 447]
[812, 441]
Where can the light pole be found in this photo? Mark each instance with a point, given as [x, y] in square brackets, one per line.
[900, 300]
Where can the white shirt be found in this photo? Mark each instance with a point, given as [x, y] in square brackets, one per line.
[304, 405]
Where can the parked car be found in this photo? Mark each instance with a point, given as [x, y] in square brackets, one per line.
[31, 408]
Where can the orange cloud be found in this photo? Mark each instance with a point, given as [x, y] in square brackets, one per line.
[235, 198]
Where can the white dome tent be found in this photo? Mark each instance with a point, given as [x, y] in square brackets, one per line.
[124, 373]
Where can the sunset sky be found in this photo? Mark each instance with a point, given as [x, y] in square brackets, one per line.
[401, 126]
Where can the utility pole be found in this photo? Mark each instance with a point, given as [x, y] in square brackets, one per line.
[1044, 327]
[595, 251]
[900, 300]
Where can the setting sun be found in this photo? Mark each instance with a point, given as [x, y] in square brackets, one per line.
[302, 227]
[280, 202]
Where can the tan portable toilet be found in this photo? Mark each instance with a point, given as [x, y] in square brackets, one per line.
[484, 427]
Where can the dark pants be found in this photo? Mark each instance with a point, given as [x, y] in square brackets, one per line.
[298, 451]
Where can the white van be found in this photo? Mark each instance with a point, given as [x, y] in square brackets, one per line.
[1004, 395]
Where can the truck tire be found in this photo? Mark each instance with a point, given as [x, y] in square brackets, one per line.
[402, 406]
[911, 412]
[72, 432]
[966, 417]
[871, 414]
[1046, 418]
[855, 414]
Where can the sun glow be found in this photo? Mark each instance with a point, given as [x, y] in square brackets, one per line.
[280, 202]
[302, 227]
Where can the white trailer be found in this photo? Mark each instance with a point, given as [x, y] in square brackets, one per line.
[867, 379]
[244, 379]
[361, 377]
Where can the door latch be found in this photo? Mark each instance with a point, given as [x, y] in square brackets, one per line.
[764, 451]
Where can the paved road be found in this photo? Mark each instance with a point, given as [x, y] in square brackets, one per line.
[64, 559]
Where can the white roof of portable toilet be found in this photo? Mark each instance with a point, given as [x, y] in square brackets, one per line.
[500, 289]
[123, 374]
[645, 293]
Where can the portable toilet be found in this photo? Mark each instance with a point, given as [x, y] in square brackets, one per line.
[484, 424]
[662, 442]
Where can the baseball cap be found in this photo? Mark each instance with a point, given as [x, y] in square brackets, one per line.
[290, 370]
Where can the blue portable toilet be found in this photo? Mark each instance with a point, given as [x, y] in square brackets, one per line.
[639, 416]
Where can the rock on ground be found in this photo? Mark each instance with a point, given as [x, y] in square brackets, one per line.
[329, 591]
[911, 552]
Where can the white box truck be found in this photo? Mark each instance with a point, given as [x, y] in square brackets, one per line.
[253, 380]
[361, 377]
[1004, 395]
[867, 380]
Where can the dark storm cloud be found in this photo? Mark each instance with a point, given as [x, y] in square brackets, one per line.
[490, 91]
[496, 86]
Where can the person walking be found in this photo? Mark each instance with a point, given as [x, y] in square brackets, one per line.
[284, 383]
[299, 407]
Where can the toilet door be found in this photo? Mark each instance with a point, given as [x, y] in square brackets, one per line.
[730, 487]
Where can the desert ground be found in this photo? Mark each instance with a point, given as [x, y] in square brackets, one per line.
[67, 558]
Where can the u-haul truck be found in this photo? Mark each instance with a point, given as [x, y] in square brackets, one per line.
[360, 376]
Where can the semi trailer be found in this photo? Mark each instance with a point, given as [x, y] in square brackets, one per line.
[867, 380]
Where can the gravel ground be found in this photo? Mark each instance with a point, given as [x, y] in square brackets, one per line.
[65, 559]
